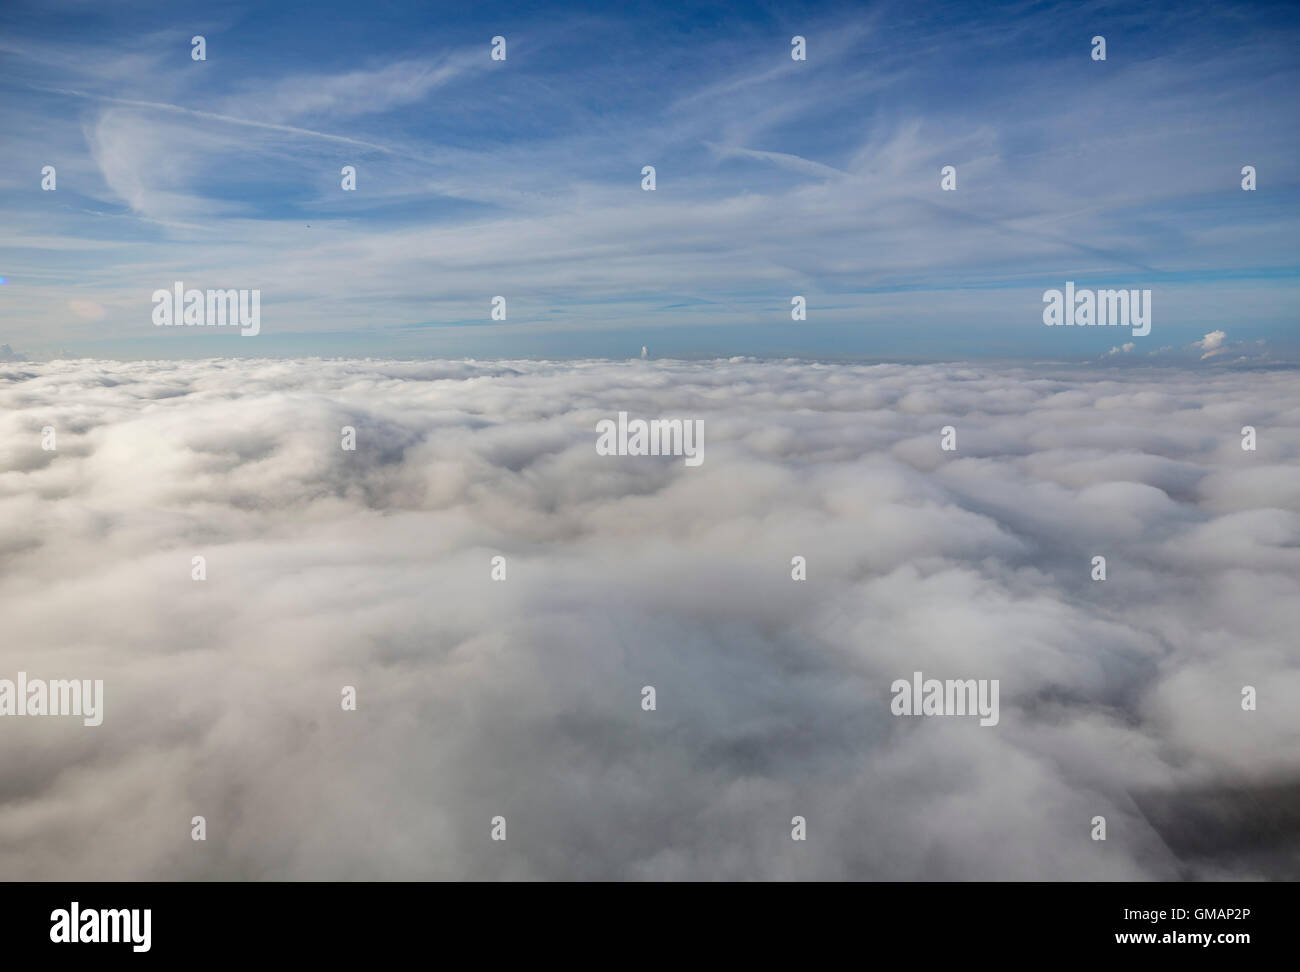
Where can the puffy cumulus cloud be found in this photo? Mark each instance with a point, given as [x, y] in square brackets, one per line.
[1211, 341]
[521, 698]
[1212, 344]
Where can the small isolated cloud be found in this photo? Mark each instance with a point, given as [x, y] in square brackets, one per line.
[1211, 344]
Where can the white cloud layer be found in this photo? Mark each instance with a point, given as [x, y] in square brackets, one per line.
[522, 698]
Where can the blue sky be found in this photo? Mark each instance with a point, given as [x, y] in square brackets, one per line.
[522, 178]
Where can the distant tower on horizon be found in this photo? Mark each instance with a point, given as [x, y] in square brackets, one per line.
[643, 352]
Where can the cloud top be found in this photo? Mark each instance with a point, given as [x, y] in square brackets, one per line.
[521, 697]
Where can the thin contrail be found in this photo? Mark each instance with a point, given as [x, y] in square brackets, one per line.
[163, 106]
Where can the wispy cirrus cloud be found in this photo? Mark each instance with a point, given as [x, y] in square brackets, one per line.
[776, 177]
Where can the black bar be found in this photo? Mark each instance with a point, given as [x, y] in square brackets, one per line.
[983, 922]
